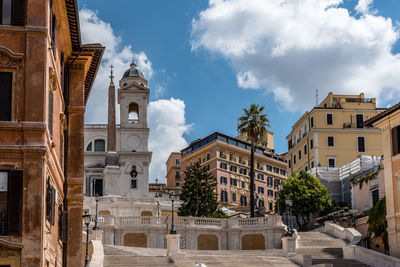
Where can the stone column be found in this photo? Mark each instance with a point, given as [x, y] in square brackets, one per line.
[75, 166]
[111, 128]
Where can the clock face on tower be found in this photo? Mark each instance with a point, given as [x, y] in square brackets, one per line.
[134, 172]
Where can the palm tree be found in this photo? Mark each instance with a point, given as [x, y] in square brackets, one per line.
[254, 125]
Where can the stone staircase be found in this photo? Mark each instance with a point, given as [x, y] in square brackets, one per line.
[115, 256]
[324, 249]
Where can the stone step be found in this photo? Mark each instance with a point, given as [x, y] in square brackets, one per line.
[125, 260]
[340, 262]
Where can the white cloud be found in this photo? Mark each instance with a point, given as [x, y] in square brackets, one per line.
[292, 47]
[363, 6]
[166, 117]
[167, 126]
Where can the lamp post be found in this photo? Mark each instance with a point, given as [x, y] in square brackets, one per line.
[86, 218]
[96, 227]
[173, 197]
[289, 202]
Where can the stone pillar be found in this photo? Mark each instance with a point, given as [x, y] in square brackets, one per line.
[172, 244]
[111, 128]
[75, 166]
[289, 245]
[32, 209]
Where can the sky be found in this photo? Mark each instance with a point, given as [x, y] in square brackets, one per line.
[207, 60]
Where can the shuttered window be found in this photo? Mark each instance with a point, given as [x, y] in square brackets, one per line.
[50, 202]
[50, 114]
[395, 140]
[10, 202]
[5, 95]
[12, 12]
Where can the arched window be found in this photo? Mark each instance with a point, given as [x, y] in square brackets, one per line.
[133, 116]
[89, 147]
[99, 145]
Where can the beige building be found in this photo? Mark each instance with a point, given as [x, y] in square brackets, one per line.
[228, 158]
[174, 169]
[389, 123]
[332, 133]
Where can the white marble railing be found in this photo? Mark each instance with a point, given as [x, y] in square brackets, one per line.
[242, 223]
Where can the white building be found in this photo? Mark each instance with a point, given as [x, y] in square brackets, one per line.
[116, 156]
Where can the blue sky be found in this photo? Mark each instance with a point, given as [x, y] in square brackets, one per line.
[234, 54]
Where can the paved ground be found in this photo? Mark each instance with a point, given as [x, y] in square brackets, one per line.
[323, 248]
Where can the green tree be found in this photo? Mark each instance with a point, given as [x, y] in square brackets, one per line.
[308, 196]
[198, 194]
[253, 123]
[377, 223]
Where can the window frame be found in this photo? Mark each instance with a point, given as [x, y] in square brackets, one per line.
[361, 126]
[333, 141]
[330, 158]
[332, 121]
[358, 144]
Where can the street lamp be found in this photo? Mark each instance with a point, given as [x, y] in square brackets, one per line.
[86, 218]
[289, 202]
[173, 197]
[96, 227]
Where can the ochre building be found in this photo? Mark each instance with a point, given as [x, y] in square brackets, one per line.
[45, 78]
[174, 177]
[332, 133]
[228, 160]
[389, 123]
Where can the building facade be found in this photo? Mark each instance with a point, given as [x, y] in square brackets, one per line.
[332, 133]
[228, 161]
[174, 177]
[117, 159]
[389, 123]
[45, 79]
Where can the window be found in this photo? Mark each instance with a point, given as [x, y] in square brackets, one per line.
[223, 180]
[290, 163]
[233, 168]
[300, 154]
[89, 147]
[97, 187]
[221, 154]
[5, 95]
[177, 162]
[261, 190]
[312, 122]
[305, 149]
[134, 183]
[51, 196]
[276, 170]
[234, 197]
[50, 118]
[374, 196]
[271, 207]
[243, 184]
[331, 141]
[329, 119]
[305, 168]
[177, 174]
[312, 164]
[283, 172]
[223, 165]
[233, 182]
[177, 184]
[208, 156]
[99, 145]
[359, 120]
[311, 144]
[294, 159]
[332, 162]
[261, 203]
[260, 176]
[269, 168]
[224, 196]
[243, 171]
[53, 30]
[277, 182]
[243, 200]
[10, 202]
[361, 143]
[396, 140]
[270, 193]
[259, 166]
[12, 12]
[290, 145]
[269, 181]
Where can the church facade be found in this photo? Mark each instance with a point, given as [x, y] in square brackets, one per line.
[116, 156]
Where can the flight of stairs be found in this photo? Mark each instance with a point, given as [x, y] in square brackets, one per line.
[138, 257]
[324, 249]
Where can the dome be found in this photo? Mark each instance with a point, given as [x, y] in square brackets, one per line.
[133, 72]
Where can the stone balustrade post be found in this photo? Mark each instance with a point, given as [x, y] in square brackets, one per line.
[289, 245]
[173, 243]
